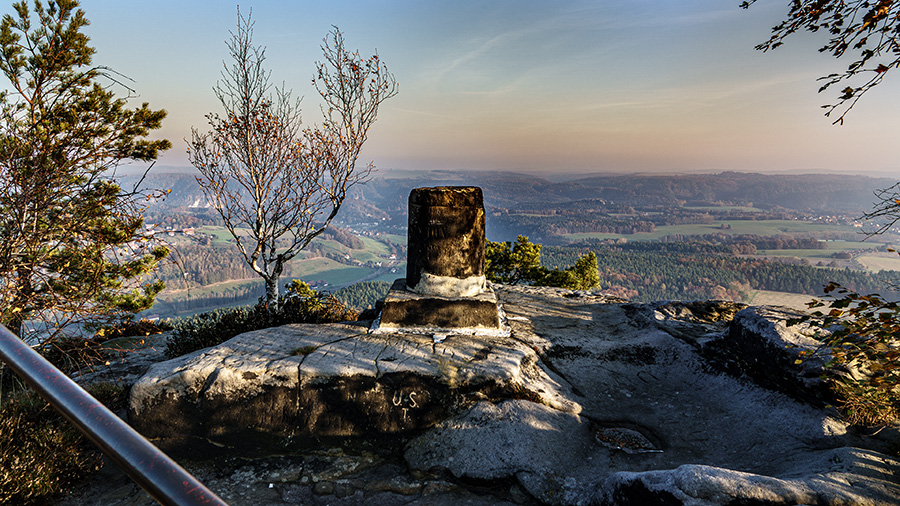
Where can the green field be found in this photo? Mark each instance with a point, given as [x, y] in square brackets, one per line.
[830, 248]
[391, 276]
[211, 290]
[810, 254]
[394, 238]
[373, 251]
[872, 263]
[754, 227]
[332, 272]
[221, 235]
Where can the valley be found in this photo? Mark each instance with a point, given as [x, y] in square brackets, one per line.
[745, 237]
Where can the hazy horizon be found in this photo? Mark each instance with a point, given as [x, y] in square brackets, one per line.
[536, 87]
[555, 176]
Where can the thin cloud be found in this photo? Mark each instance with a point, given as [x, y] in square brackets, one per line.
[474, 53]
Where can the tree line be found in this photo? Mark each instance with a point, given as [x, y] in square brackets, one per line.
[662, 271]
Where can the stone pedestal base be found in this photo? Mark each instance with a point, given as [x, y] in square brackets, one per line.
[405, 311]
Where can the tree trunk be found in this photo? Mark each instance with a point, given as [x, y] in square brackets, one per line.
[272, 285]
[272, 292]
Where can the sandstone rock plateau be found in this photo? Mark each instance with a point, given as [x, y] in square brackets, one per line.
[589, 401]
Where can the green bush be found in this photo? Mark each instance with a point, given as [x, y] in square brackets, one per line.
[112, 395]
[299, 305]
[521, 262]
[41, 454]
[511, 263]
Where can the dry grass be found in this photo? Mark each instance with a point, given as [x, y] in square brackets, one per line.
[867, 406]
[41, 454]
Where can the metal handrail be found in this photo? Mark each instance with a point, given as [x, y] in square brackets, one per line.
[162, 478]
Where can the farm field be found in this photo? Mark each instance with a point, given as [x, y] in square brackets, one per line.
[394, 238]
[374, 246]
[761, 227]
[769, 298]
[825, 254]
[880, 262]
[829, 248]
[220, 235]
[332, 272]
[390, 277]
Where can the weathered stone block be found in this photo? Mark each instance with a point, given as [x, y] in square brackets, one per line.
[446, 241]
[406, 310]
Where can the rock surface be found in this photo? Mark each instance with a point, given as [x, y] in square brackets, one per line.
[330, 477]
[589, 402]
[304, 382]
[695, 435]
[769, 347]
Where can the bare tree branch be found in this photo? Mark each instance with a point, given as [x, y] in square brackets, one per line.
[868, 27]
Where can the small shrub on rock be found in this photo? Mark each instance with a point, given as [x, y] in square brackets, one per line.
[865, 404]
[301, 304]
[70, 354]
[863, 340]
[112, 395]
[142, 327]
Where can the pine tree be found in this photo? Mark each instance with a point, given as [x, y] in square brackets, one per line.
[71, 249]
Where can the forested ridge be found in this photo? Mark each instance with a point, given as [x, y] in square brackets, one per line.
[363, 295]
[694, 270]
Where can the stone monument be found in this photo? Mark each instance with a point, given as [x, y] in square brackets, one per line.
[445, 291]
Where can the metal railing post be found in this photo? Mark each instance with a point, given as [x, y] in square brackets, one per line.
[162, 478]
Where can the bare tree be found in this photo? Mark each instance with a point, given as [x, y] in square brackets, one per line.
[278, 186]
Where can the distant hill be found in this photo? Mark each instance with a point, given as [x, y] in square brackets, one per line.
[185, 192]
[797, 192]
[385, 196]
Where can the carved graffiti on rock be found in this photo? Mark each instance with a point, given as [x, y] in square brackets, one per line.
[405, 401]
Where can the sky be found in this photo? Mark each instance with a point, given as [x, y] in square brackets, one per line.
[554, 87]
